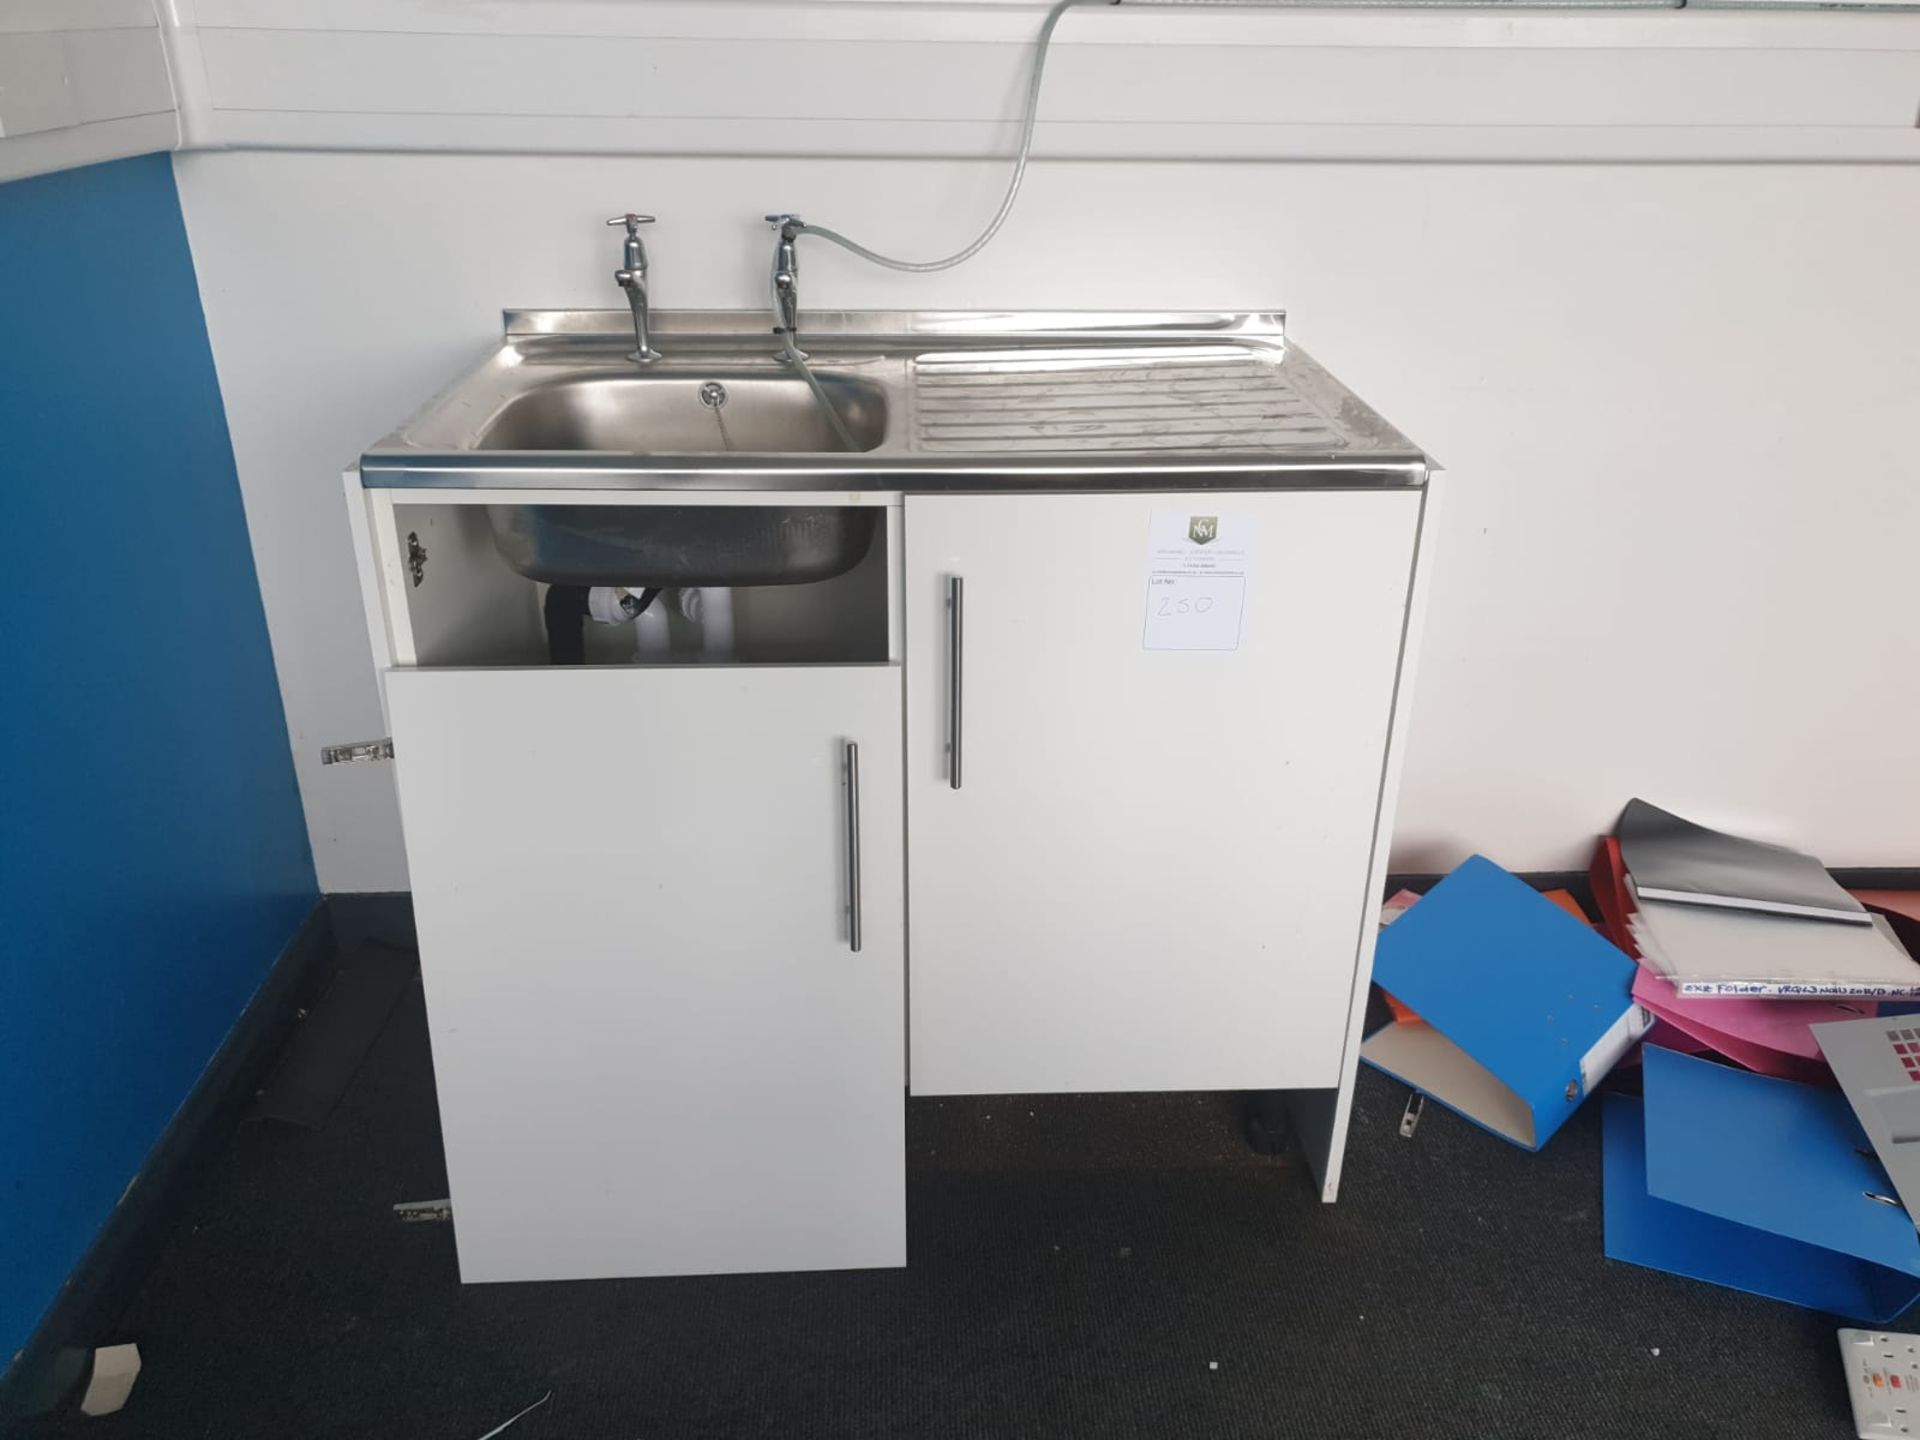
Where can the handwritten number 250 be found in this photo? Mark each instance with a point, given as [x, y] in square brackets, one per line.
[1185, 604]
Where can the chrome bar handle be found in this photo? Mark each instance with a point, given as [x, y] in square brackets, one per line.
[853, 846]
[956, 594]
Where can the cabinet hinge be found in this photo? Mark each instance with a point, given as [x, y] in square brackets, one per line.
[381, 749]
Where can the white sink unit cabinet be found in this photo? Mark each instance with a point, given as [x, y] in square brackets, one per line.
[656, 1048]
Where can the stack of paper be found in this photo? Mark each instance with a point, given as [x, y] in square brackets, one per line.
[1716, 915]
[1709, 952]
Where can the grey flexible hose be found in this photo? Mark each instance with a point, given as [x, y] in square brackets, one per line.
[798, 361]
[979, 242]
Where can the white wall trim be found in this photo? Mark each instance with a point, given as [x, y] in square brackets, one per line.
[1016, 21]
[90, 144]
[81, 81]
[934, 79]
[940, 79]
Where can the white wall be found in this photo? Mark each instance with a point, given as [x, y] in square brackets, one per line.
[1678, 405]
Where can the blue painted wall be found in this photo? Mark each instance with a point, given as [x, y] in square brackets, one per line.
[153, 858]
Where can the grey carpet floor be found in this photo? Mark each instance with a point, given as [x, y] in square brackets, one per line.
[1112, 1267]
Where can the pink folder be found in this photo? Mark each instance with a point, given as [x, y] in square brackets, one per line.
[1902, 909]
[1901, 903]
[1770, 1036]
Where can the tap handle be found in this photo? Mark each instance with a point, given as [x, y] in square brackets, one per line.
[632, 222]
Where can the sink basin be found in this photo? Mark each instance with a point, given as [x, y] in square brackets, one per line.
[688, 413]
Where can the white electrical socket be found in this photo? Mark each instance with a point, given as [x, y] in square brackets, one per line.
[1883, 1380]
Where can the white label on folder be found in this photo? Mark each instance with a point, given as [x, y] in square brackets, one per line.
[1198, 566]
[1634, 1022]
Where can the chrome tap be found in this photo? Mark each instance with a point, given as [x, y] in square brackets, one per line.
[632, 278]
[786, 285]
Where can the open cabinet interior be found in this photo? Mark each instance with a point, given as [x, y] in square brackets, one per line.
[456, 600]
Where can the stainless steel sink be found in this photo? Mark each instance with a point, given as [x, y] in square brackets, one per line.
[931, 401]
[952, 400]
[687, 411]
[671, 410]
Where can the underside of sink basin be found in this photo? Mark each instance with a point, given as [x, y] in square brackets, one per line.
[688, 412]
[638, 546]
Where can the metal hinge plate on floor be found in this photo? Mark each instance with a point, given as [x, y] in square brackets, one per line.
[1410, 1117]
[381, 749]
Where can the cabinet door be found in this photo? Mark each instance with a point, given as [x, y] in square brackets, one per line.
[656, 1050]
[1154, 873]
